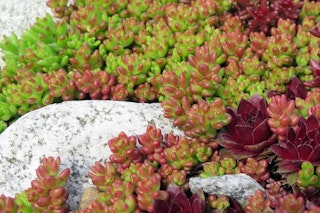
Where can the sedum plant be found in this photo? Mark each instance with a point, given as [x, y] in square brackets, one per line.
[240, 78]
[142, 177]
[46, 194]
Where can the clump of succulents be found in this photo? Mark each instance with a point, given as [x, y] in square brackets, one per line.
[88, 46]
[46, 194]
[142, 171]
[153, 177]
[240, 78]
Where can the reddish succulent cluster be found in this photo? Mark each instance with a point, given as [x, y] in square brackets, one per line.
[46, 194]
[282, 116]
[166, 160]
[142, 170]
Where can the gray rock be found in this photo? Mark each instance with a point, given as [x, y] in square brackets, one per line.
[16, 15]
[78, 132]
[238, 186]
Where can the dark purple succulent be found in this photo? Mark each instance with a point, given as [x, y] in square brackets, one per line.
[248, 134]
[263, 17]
[301, 145]
[287, 9]
[315, 68]
[178, 202]
[316, 31]
[295, 88]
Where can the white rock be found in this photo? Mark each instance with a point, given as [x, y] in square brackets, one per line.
[238, 186]
[78, 132]
[17, 15]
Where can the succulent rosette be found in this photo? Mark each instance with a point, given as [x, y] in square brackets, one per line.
[258, 203]
[31, 93]
[47, 192]
[281, 51]
[124, 151]
[177, 201]
[257, 43]
[204, 119]
[219, 167]
[60, 85]
[103, 176]
[145, 93]
[310, 8]
[181, 17]
[295, 89]
[118, 198]
[261, 18]
[235, 44]
[303, 105]
[206, 8]
[253, 68]
[138, 8]
[235, 89]
[206, 75]
[118, 36]
[315, 68]
[277, 77]
[97, 83]
[133, 71]
[308, 175]
[160, 28]
[284, 26]
[255, 169]
[188, 41]
[232, 23]
[90, 19]
[85, 58]
[288, 9]
[59, 8]
[282, 115]
[300, 145]
[248, 133]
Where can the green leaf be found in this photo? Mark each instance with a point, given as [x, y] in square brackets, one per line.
[24, 205]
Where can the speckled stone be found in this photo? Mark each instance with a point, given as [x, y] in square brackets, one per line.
[78, 132]
[238, 186]
[17, 15]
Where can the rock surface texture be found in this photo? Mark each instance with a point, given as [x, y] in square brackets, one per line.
[238, 186]
[78, 132]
